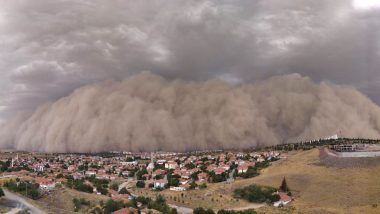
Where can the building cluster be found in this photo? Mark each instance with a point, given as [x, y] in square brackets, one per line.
[157, 171]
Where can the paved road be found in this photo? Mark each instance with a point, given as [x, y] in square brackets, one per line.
[23, 203]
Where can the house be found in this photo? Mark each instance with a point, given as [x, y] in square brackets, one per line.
[130, 163]
[202, 176]
[78, 175]
[177, 189]
[45, 183]
[39, 167]
[177, 172]
[161, 162]
[284, 199]
[150, 166]
[90, 173]
[183, 181]
[222, 157]
[242, 168]
[160, 183]
[102, 176]
[219, 171]
[128, 210]
[158, 172]
[224, 166]
[185, 174]
[71, 168]
[171, 165]
[260, 159]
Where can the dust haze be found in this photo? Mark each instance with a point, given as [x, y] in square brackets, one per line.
[149, 113]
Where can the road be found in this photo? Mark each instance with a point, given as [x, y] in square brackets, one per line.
[182, 210]
[23, 204]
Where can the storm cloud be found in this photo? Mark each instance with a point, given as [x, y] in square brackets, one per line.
[48, 49]
[148, 113]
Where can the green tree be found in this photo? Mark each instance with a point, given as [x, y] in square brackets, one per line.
[112, 206]
[257, 194]
[114, 186]
[124, 191]
[140, 184]
[1, 192]
[284, 186]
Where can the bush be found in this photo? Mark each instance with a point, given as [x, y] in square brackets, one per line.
[81, 186]
[203, 186]
[251, 172]
[200, 210]
[79, 202]
[114, 186]
[140, 184]
[249, 211]
[20, 187]
[160, 205]
[1, 192]
[112, 206]
[257, 194]
[124, 191]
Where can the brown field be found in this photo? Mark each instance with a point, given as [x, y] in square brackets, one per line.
[321, 189]
[317, 188]
[61, 201]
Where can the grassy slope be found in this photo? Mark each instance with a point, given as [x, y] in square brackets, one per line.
[318, 189]
[63, 200]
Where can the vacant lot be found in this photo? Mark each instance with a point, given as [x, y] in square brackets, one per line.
[61, 201]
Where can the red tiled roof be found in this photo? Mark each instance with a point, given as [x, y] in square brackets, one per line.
[127, 210]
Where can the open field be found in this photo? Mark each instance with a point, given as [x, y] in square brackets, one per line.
[317, 188]
[61, 200]
[321, 189]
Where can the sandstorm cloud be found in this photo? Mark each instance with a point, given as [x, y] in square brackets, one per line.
[148, 113]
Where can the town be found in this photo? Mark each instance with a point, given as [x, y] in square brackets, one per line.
[121, 175]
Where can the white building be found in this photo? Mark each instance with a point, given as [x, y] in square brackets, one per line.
[171, 165]
[284, 200]
[160, 183]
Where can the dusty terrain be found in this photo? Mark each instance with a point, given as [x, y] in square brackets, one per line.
[61, 201]
[325, 189]
[317, 188]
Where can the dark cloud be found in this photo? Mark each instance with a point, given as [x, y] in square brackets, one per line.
[49, 48]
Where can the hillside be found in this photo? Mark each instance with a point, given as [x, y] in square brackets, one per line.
[320, 189]
[317, 188]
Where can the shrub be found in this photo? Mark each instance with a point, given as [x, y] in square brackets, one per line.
[257, 194]
[140, 184]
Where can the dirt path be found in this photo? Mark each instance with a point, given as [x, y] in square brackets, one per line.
[251, 206]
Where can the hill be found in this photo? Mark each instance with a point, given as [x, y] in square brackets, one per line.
[317, 188]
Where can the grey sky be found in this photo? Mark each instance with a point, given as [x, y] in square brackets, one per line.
[50, 48]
